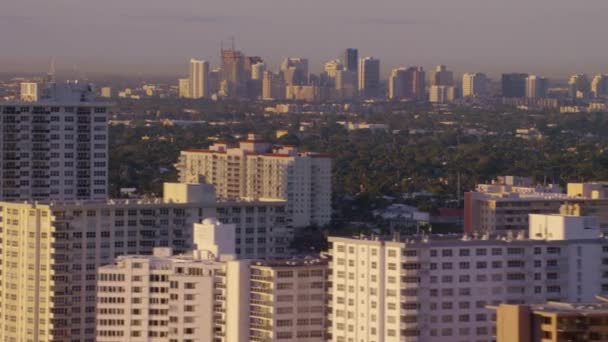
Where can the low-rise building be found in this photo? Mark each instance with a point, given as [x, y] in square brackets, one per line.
[551, 322]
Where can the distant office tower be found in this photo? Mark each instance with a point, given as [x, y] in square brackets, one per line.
[256, 82]
[514, 85]
[350, 59]
[215, 77]
[437, 288]
[62, 153]
[346, 84]
[551, 321]
[204, 297]
[256, 170]
[199, 79]
[295, 71]
[407, 83]
[578, 86]
[52, 268]
[273, 87]
[331, 69]
[442, 76]
[106, 92]
[537, 87]
[234, 74]
[599, 86]
[474, 85]
[184, 87]
[442, 94]
[369, 77]
[29, 91]
[397, 84]
[257, 71]
[249, 63]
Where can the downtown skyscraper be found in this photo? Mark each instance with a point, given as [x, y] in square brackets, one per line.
[369, 77]
[199, 79]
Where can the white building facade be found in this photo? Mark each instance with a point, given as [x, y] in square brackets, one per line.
[50, 252]
[56, 148]
[437, 289]
[203, 297]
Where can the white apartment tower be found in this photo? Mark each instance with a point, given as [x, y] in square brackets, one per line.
[204, 297]
[50, 252]
[199, 79]
[438, 288]
[55, 148]
[256, 170]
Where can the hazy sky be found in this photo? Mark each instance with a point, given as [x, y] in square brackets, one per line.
[554, 37]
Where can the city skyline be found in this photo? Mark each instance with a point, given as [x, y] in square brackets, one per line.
[470, 36]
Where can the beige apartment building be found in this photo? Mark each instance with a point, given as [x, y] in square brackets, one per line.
[201, 296]
[437, 288]
[552, 322]
[50, 252]
[257, 170]
[505, 205]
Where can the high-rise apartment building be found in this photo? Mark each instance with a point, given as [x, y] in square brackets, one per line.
[474, 85]
[578, 86]
[369, 77]
[350, 59]
[437, 288]
[599, 86]
[407, 83]
[204, 297]
[255, 170]
[51, 251]
[551, 322]
[442, 77]
[198, 83]
[537, 87]
[56, 148]
[28, 91]
[514, 85]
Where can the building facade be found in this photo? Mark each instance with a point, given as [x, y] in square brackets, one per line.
[438, 288]
[552, 322]
[369, 77]
[257, 171]
[56, 148]
[501, 207]
[51, 251]
[204, 297]
[474, 85]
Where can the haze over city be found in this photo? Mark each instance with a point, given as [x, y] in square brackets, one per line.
[157, 37]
